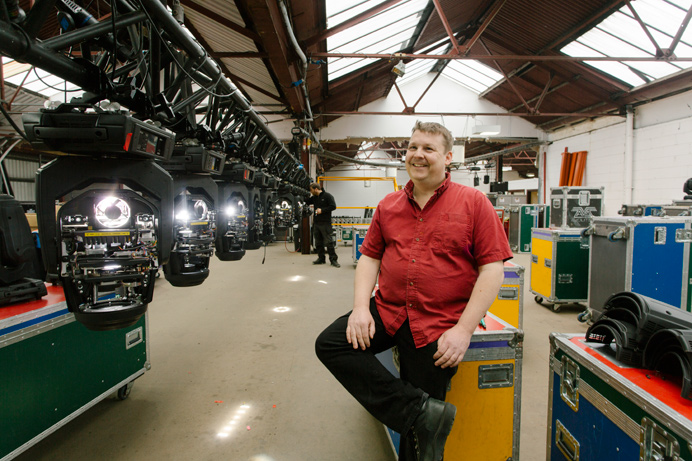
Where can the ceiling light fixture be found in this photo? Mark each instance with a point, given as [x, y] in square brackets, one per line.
[486, 130]
[399, 69]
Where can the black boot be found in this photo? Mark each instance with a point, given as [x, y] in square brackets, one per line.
[431, 428]
[319, 261]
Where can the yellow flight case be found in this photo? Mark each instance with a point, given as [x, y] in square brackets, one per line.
[487, 393]
[509, 303]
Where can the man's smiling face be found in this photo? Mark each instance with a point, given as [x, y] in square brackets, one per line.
[426, 159]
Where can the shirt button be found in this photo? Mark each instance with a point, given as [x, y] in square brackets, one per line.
[413, 260]
[411, 283]
[417, 239]
[410, 305]
[421, 219]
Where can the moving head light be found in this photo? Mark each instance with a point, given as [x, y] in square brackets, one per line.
[195, 225]
[108, 254]
[196, 195]
[233, 213]
[89, 129]
[108, 241]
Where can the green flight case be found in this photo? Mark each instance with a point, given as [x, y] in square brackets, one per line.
[559, 266]
[522, 218]
[54, 368]
[601, 409]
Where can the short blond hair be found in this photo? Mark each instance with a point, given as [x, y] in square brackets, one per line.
[435, 128]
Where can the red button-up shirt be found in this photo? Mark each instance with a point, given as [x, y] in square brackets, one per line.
[430, 257]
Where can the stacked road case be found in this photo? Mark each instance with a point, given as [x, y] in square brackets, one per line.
[646, 255]
[54, 368]
[523, 218]
[574, 206]
[600, 409]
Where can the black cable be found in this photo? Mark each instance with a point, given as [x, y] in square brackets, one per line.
[62, 90]
[115, 41]
[14, 125]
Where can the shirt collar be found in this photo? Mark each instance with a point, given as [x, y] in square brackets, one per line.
[445, 184]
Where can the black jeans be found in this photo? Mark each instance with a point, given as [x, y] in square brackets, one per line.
[394, 401]
[323, 236]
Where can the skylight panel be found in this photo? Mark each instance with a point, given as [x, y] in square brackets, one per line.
[621, 35]
[469, 76]
[386, 32]
[343, 10]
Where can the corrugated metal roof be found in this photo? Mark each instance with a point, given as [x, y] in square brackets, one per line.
[224, 8]
[223, 39]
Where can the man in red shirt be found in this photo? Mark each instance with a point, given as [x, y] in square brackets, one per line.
[437, 248]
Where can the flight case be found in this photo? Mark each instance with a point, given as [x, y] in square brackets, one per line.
[646, 255]
[522, 218]
[487, 385]
[559, 266]
[54, 368]
[574, 206]
[600, 409]
[509, 302]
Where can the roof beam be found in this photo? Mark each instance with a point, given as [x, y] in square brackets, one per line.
[494, 9]
[477, 114]
[269, 25]
[447, 27]
[502, 57]
[350, 23]
[509, 81]
[659, 51]
[678, 36]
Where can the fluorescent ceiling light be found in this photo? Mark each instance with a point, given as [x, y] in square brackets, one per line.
[486, 130]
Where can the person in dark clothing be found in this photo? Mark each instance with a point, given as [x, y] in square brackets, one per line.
[324, 204]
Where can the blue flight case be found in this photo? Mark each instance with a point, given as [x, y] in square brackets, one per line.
[646, 255]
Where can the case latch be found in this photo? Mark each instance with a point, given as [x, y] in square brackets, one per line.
[656, 443]
[565, 442]
[584, 197]
[683, 235]
[660, 233]
[548, 262]
[496, 375]
[534, 259]
[569, 383]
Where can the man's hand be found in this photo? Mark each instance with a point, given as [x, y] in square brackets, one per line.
[451, 347]
[318, 211]
[360, 329]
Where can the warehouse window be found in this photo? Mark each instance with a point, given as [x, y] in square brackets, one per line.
[621, 35]
[386, 32]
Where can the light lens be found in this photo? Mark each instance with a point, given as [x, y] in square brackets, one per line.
[112, 212]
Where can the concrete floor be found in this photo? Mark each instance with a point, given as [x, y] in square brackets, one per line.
[234, 375]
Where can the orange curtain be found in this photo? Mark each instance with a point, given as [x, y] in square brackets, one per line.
[572, 168]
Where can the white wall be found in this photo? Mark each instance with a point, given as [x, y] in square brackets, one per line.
[662, 153]
[444, 96]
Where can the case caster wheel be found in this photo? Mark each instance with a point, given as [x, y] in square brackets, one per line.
[538, 299]
[124, 391]
[584, 316]
[556, 307]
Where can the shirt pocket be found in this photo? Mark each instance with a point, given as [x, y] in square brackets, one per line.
[452, 232]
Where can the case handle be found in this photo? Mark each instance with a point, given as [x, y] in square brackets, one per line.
[495, 376]
[566, 443]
